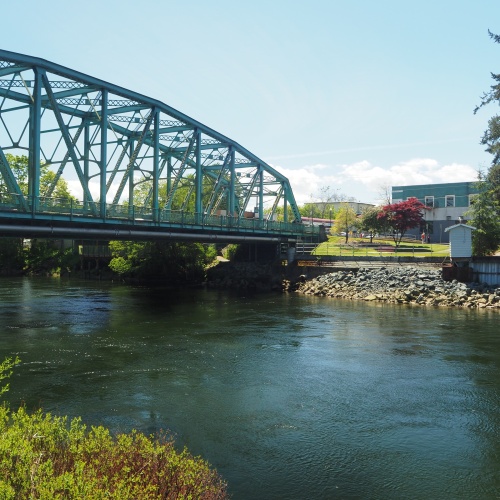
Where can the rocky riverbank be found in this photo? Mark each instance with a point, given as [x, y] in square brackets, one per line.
[402, 285]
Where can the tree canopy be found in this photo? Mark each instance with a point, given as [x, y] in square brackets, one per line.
[485, 210]
[484, 217]
[491, 136]
[170, 262]
[493, 180]
[371, 223]
[322, 204]
[402, 216]
[40, 256]
[345, 220]
[19, 166]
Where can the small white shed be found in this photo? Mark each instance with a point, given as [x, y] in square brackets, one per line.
[460, 240]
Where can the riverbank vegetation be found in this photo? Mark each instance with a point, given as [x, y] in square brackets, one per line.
[168, 261]
[36, 257]
[44, 456]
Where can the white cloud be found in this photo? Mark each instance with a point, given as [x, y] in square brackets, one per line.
[76, 190]
[365, 181]
[307, 181]
[361, 180]
[457, 173]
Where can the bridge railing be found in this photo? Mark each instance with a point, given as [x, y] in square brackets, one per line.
[65, 206]
[11, 201]
[18, 206]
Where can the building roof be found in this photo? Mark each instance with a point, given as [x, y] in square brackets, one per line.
[458, 225]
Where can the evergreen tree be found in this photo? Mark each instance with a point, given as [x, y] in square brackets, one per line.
[484, 217]
[493, 179]
[485, 210]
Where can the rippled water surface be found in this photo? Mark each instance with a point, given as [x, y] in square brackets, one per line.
[289, 397]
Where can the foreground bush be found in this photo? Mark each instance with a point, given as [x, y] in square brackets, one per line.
[42, 457]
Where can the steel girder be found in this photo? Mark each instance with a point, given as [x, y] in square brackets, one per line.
[118, 146]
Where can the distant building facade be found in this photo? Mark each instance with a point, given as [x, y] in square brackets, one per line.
[359, 208]
[447, 203]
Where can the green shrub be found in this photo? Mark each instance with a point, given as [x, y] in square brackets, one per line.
[6, 367]
[229, 251]
[44, 457]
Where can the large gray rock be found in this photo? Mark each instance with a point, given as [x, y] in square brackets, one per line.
[407, 285]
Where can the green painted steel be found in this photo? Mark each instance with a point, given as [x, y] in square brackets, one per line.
[128, 157]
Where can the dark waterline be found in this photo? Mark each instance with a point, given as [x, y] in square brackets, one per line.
[289, 397]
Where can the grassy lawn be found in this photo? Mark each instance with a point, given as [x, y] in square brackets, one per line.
[360, 247]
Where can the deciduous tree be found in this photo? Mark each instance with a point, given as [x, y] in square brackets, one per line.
[402, 216]
[39, 256]
[310, 210]
[19, 165]
[168, 261]
[371, 223]
[345, 220]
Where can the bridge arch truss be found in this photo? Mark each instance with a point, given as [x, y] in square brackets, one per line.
[118, 146]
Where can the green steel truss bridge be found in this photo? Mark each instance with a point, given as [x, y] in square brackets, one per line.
[142, 169]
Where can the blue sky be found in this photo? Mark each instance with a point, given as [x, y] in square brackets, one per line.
[356, 95]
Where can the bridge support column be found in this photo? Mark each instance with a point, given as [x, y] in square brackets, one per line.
[198, 180]
[290, 255]
[262, 252]
[156, 165]
[231, 200]
[104, 153]
[34, 143]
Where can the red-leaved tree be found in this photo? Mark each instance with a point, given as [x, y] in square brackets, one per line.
[402, 216]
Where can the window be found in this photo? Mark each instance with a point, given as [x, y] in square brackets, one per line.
[429, 201]
[472, 197]
[450, 200]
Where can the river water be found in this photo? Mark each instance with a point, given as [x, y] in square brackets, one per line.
[288, 396]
